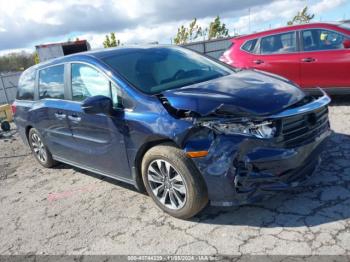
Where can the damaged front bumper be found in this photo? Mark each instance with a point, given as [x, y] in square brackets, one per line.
[241, 169]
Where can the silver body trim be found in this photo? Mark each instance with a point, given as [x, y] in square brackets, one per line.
[93, 170]
[324, 100]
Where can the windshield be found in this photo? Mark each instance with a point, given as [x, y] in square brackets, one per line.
[153, 70]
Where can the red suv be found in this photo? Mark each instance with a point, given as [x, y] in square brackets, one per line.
[311, 55]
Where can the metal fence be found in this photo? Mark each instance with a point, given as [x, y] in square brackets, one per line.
[213, 48]
[8, 87]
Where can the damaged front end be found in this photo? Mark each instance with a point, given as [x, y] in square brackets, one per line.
[250, 158]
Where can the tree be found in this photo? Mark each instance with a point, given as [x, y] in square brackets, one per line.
[217, 29]
[185, 35]
[111, 41]
[36, 58]
[16, 61]
[302, 17]
[181, 36]
[194, 31]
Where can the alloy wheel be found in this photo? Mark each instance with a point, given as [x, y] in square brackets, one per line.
[167, 185]
[38, 148]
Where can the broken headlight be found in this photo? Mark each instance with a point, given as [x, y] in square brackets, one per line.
[265, 129]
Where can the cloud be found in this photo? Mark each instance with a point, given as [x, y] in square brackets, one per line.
[39, 20]
[277, 14]
[325, 5]
[187, 10]
[24, 24]
[280, 11]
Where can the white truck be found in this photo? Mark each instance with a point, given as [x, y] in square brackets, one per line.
[50, 51]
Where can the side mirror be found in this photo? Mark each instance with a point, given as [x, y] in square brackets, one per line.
[97, 105]
[346, 43]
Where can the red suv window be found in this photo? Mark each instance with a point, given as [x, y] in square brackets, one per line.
[279, 44]
[322, 39]
[250, 45]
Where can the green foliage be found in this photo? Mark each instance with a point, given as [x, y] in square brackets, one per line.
[181, 36]
[194, 31]
[36, 58]
[111, 41]
[185, 35]
[302, 17]
[216, 30]
[16, 61]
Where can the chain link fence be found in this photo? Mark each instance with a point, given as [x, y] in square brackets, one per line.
[213, 48]
[8, 87]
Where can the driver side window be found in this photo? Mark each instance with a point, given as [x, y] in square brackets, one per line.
[88, 82]
[322, 39]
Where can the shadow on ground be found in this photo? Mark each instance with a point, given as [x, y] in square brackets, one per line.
[97, 176]
[324, 199]
[7, 134]
[340, 100]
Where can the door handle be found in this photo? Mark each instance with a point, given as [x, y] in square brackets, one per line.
[258, 62]
[74, 118]
[60, 115]
[308, 60]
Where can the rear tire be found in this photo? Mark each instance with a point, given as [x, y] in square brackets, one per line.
[173, 182]
[40, 151]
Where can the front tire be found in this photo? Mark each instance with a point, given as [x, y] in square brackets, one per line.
[40, 151]
[173, 182]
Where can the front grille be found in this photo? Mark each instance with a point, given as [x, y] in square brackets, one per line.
[301, 129]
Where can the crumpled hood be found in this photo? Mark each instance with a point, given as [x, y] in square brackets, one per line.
[243, 93]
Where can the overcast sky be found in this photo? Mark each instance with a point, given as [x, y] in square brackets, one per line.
[26, 23]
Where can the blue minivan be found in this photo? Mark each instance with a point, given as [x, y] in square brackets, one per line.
[185, 128]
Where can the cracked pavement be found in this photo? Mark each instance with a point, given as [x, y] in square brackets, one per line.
[66, 210]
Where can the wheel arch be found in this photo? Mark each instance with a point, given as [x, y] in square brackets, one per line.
[136, 168]
[27, 129]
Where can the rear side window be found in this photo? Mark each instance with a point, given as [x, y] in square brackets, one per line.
[26, 86]
[249, 46]
[279, 44]
[321, 39]
[51, 82]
